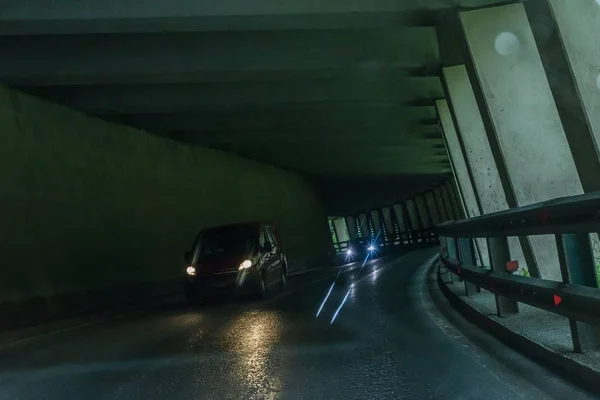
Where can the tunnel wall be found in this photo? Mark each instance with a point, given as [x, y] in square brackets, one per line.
[86, 204]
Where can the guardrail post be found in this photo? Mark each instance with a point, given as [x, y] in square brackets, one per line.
[499, 255]
[577, 267]
[467, 256]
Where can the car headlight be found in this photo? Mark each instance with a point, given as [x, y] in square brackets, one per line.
[349, 252]
[371, 248]
[191, 271]
[245, 265]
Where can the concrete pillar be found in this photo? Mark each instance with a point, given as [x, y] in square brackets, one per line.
[461, 172]
[455, 198]
[358, 228]
[457, 158]
[562, 57]
[579, 30]
[394, 218]
[390, 226]
[480, 160]
[433, 211]
[440, 203]
[351, 228]
[423, 212]
[398, 210]
[521, 114]
[447, 202]
[413, 214]
[372, 226]
[364, 225]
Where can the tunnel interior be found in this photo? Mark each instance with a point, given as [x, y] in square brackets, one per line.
[389, 183]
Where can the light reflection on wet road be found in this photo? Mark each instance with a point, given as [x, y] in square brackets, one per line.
[385, 343]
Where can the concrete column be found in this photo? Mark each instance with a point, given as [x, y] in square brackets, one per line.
[520, 114]
[447, 202]
[413, 214]
[357, 226]
[351, 228]
[573, 83]
[399, 211]
[480, 160]
[433, 211]
[364, 225]
[461, 172]
[409, 223]
[455, 198]
[458, 160]
[376, 222]
[423, 212]
[440, 203]
[383, 229]
[394, 218]
[579, 30]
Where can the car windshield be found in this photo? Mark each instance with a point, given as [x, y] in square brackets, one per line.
[231, 240]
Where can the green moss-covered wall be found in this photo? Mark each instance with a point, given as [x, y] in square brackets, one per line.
[86, 204]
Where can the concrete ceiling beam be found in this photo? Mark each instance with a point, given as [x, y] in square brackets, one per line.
[424, 134]
[52, 58]
[44, 24]
[132, 97]
[219, 120]
[361, 72]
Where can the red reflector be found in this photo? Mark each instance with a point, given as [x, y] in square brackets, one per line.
[512, 266]
[458, 271]
[557, 300]
[544, 217]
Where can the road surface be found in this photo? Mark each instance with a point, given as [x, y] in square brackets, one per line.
[388, 341]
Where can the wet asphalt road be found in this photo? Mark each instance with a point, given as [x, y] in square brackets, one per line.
[389, 341]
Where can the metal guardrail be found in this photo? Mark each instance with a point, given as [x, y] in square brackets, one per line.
[570, 220]
[402, 239]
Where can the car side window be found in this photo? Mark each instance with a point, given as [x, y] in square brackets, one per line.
[264, 238]
[271, 236]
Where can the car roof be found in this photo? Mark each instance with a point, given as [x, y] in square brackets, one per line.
[248, 224]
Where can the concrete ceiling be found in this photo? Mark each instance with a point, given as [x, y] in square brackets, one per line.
[341, 90]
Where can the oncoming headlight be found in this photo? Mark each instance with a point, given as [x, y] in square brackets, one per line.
[245, 265]
[191, 271]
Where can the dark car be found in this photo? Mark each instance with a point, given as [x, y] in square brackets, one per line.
[235, 259]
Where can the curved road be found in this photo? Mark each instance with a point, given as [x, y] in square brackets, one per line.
[388, 341]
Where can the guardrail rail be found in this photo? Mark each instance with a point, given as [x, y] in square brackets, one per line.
[570, 220]
[406, 239]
